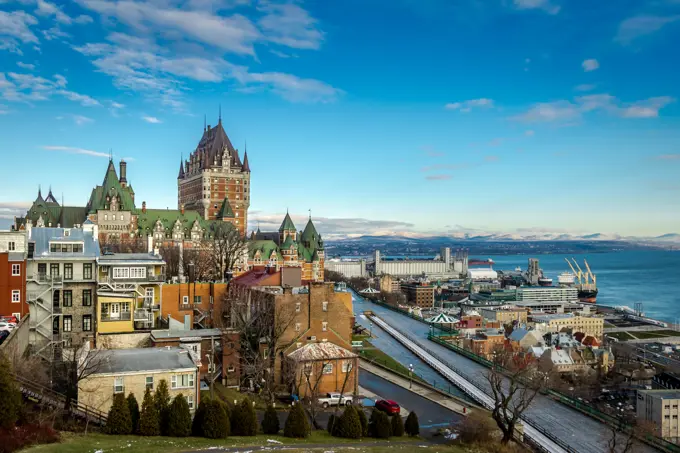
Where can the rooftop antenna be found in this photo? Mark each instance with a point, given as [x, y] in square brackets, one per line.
[219, 120]
[310, 214]
[205, 122]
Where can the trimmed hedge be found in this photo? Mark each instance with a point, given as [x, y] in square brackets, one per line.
[215, 420]
[244, 419]
[297, 425]
[134, 412]
[379, 425]
[270, 422]
[348, 425]
[162, 400]
[397, 426]
[364, 422]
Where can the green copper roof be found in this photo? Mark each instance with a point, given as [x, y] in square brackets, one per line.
[287, 224]
[310, 233]
[265, 247]
[288, 243]
[146, 221]
[225, 210]
[111, 188]
[64, 216]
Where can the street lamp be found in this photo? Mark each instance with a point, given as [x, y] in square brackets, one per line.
[410, 375]
[370, 330]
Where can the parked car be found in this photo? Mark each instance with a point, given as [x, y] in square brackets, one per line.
[335, 399]
[388, 406]
[8, 326]
[9, 319]
[3, 335]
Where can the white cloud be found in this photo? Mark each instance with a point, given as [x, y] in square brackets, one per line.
[117, 105]
[636, 27]
[467, 106]
[15, 30]
[290, 25]
[83, 99]
[73, 150]
[567, 111]
[590, 65]
[438, 177]
[544, 5]
[27, 66]
[82, 120]
[151, 119]
[47, 9]
[288, 86]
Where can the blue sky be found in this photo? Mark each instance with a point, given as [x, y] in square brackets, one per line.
[381, 116]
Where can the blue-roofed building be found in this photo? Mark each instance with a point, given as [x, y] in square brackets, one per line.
[61, 283]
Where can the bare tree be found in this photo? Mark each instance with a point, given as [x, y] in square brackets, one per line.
[514, 383]
[626, 432]
[333, 276]
[263, 322]
[116, 244]
[171, 256]
[226, 247]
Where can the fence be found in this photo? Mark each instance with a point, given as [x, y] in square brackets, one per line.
[564, 399]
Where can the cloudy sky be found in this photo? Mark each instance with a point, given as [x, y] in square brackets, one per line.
[378, 115]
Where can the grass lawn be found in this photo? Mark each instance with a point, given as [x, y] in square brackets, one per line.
[80, 443]
[229, 395]
[668, 333]
[372, 353]
[621, 336]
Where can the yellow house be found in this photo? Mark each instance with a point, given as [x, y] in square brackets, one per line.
[133, 371]
[129, 292]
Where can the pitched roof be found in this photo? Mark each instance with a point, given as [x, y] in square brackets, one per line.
[43, 236]
[266, 247]
[320, 351]
[225, 209]
[146, 221]
[49, 199]
[111, 188]
[214, 141]
[310, 233]
[287, 224]
[181, 170]
[246, 166]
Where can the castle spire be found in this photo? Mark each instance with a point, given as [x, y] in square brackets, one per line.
[205, 122]
[246, 165]
[219, 118]
[40, 198]
[181, 168]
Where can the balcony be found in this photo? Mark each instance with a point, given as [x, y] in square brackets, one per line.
[43, 278]
[124, 316]
[139, 280]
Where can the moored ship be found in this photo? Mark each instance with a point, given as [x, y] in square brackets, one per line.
[566, 279]
[587, 282]
[545, 281]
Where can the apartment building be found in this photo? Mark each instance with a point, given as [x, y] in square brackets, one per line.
[134, 370]
[505, 315]
[61, 286]
[13, 274]
[660, 408]
[556, 322]
[193, 305]
[129, 292]
[547, 293]
[419, 294]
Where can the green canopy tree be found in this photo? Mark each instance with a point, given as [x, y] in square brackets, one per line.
[179, 417]
[270, 422]
[133, 405]
[412, 427]
[10, 405]
[149, 420]
[161, 399]
[119, 420]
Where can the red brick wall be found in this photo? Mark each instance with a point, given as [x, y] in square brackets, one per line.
[8, 283]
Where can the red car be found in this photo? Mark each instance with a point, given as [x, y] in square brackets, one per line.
[388, 406]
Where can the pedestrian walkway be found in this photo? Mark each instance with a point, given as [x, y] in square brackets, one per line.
[416, 388]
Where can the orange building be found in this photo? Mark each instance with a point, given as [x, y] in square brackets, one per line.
[192, 304]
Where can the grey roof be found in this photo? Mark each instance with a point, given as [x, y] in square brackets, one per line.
[663, 393]
[184, 333]
[43, 236]
[130, 258]
[15, 256]
[142, 359]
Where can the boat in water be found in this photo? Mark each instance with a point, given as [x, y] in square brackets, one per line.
[479, 262]
[587, 282]
[545, 281]
[566, 279]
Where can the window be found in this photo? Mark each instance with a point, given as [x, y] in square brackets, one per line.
[114, 216]
[17, 315]
[185, 300]
[148, 294]
[149, 382]
[16, 296]
[297, 307]
[265, 354]
[106, 217]
[87, 323]
[137, 272]
[324, 306]
[324, 326]
[667, 417]
[347, 366]
[12, 246]
[328, 368]
[231, 369]
[87, 298]
[118, 386]
[68, 324]
[179, 381]
[197, 300]
[190, 401]
[68, 271]
[16, 269]
[87, 271]
[297, 326]
[68, 298]
[54, 269]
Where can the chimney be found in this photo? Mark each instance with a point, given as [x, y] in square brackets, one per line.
[123, 173]
[149, 243]
[144, 207]
[181, 208]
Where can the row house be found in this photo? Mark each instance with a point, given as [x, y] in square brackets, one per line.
[13, 250]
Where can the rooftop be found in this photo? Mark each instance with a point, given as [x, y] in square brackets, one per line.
[551, 317]
[42, 237]
[663, 394]
[141, 359]
[320, 351]
[130, 258]
[184, 333]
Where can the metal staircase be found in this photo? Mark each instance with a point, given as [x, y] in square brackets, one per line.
[48, 342]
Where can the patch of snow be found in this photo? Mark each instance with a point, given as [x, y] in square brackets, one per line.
[272, 441]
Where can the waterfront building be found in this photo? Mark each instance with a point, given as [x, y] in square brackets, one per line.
[547, 293]
[126, 371]
[505, 315]
[129, 296]
[444, 266]
[13, 250]
[419, 293]
[661, 409]
[61, 283]
[289, 248]
[589, 325]
[214, 181]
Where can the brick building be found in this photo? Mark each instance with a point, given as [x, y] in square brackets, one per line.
[13, 251]
[194, 305]
[214, 182]
[320, 368]
[420, 294]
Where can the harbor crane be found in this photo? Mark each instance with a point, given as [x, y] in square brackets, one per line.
[577, 274]
[592, 276]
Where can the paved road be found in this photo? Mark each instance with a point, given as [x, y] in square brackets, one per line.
[431, 415]
[582, 433]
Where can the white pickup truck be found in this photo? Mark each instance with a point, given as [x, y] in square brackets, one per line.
[335, 399]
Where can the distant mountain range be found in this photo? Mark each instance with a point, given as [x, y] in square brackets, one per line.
[670, 238]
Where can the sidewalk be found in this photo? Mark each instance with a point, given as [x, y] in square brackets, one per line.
[432, 395]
